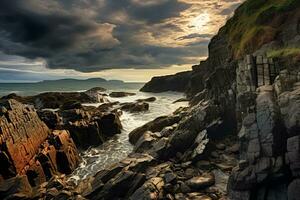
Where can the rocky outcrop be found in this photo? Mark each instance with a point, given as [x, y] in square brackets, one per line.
[55, 100]
[268, 138]
[134, 107]
[154, 126]
[177, 82]
[88, 126]
[29, 148]
[150, 99]
[121, 94]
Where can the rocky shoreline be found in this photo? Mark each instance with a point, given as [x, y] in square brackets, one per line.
[239, 138]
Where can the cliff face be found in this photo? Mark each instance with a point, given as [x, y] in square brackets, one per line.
[257, 97]
[258, 27]
[28, 147]
[177, 82]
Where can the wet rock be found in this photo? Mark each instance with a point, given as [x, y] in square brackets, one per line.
[201, 182]
[71, 105]
[150, 99]
[181, 100]
[53, 99]
[110, 124]
[97, 94]
[154, 126]
[85, 133]
[121, 94]
[145, 142]
[135, 107]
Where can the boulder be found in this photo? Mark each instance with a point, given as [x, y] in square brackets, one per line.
[154, 126]
[110, 124]
[201, 182]
[135, 107]
[121, 94]
[97, 94]
[150, 99]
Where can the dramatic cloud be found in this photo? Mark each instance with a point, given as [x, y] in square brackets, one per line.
[95, 35]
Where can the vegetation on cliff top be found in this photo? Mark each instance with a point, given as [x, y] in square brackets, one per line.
[256, 22]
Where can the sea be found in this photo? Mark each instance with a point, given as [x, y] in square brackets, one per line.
[118, 147]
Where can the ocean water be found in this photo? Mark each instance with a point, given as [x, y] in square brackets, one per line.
[63, 86]
[117, 148]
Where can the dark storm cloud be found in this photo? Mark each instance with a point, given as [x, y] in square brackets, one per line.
[93, 35]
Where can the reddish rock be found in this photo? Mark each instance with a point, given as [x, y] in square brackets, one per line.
[27, 147]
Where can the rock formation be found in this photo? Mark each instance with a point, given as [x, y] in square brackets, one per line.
[30, 149]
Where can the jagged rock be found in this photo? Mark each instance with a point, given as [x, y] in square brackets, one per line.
[85, 133]
[53, 99]
[154, 126]
[201, 182]
[188, 129]
[97, 94]
[150, 99]
[121, 94]
[151, 189]
[289, 103]
[110, 124]
[67, 157]
[30, 148]
[135, 107]
[50, 118]
[22, 134]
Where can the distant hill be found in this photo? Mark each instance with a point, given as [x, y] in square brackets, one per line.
[66, 85]
[70, 80]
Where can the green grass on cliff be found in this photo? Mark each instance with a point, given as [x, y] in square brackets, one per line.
[285, 52]
[256, 23]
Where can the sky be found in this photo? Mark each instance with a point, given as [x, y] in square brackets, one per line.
[130, 40]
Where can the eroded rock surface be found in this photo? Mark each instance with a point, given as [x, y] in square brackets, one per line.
[29, 148]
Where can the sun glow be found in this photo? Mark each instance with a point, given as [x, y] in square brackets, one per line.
[200, 22]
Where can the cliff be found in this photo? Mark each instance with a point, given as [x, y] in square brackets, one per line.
[258, 27]
[29, 148]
